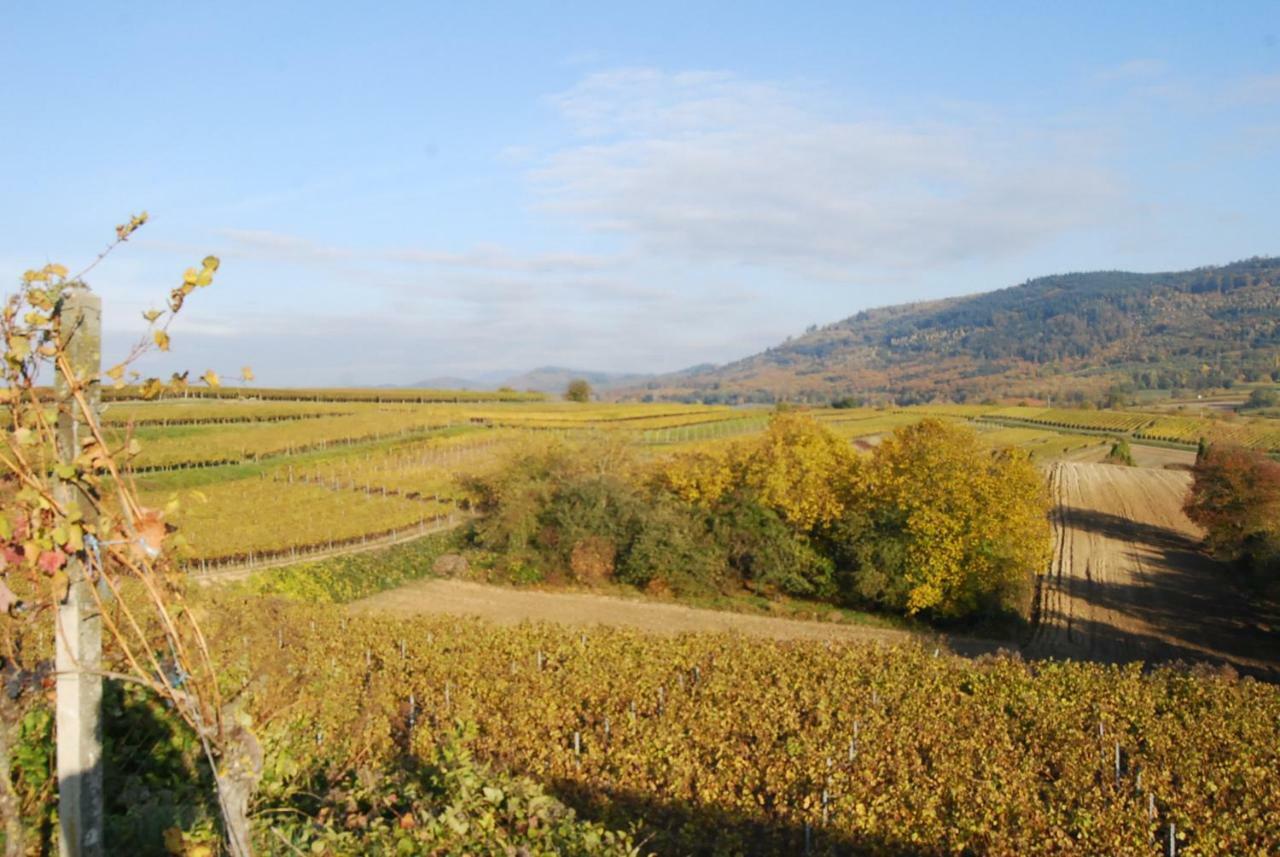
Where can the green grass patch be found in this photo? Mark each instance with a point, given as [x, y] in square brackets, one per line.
[340, 579]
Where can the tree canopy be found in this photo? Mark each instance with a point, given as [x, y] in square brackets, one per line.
[579, 390]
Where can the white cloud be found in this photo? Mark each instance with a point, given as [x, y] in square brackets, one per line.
[713, 168]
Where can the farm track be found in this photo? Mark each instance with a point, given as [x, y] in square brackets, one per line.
[509, 606]
[1129, 582]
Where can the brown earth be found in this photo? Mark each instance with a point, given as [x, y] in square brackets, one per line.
[1129, 581]
[509, 606]
[1162, 456]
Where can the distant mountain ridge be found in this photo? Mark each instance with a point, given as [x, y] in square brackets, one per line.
[545, 379]
[1069, 335]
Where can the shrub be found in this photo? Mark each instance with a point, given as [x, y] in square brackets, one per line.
[578, 391]
[1120, 453]
[767, 554]
[1262, 397]
[672, 546]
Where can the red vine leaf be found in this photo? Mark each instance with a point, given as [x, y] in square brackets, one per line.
[151, 532]
[52, 560]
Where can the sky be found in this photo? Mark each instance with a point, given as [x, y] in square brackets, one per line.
[400, 191]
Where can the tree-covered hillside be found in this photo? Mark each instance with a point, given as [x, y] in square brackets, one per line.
[1070, 336]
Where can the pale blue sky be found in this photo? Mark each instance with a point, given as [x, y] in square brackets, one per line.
[401, 191]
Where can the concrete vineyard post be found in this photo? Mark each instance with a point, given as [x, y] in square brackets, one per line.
[78, 639]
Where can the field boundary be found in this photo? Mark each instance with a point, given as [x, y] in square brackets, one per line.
[216, 571]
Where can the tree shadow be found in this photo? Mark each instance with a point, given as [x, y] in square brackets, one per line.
[155, 776]
[678, 827]
[1124, 529]
[1184, 605]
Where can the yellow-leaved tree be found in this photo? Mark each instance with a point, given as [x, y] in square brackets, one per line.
[945, 526]
[702, 477]
[798, 468]
[801, 470]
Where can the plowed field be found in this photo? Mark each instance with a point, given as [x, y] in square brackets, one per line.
[1129, 582]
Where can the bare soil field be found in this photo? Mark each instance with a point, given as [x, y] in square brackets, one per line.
[1162, 456]
[1128, 581]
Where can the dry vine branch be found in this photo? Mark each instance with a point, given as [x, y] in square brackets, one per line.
[63, 506]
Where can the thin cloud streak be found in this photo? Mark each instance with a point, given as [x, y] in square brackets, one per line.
[708, 167]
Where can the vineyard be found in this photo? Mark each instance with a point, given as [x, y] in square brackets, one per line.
[292, 474]
[130, 393]
[1101, 421]
[726, 745]
[1255, 434]
[696, 743]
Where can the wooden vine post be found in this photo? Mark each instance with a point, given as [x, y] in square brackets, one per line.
[78, 632]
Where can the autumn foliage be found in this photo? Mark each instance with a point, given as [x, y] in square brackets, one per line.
[1236, 498]
[945, 526]
[932, 522]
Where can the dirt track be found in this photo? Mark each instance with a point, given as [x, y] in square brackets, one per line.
[1128, 581]
[509, 606]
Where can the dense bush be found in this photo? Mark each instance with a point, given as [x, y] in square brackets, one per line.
[932, 523]
[1120, 453]
[1262, 397]
[767, 554]
[579, 511]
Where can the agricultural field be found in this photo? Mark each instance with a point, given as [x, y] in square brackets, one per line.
[723, 744]
[1044, 445]
[1128, 581]
[286, 475]
[1064, 418]
[1255, 433]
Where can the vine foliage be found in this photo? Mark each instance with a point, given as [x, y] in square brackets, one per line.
[70, 515]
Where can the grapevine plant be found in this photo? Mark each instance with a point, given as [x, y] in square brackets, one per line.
[72, 511]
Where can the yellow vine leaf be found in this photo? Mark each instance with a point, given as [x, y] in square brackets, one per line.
[211, 378]
[162, 340]
[152, 388]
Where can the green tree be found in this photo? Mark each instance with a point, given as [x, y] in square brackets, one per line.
[1120, 452]
[1262, 397]
[578, 391]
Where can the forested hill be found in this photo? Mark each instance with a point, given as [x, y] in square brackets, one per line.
[1070, 335]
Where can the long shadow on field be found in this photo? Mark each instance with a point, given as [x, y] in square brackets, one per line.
[1100, 642]
[678, 828]
[1124, 529]
[1183, 605]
